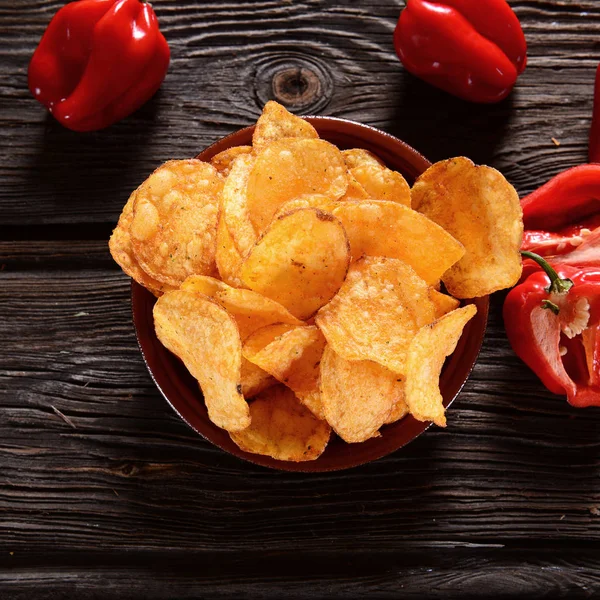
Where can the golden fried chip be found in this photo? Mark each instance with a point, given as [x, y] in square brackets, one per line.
[122, 252]
[358, 395]
[174, 226]
[276, 123]
[235, 204]
[229, 260]
[481, 210]
[223, 161]
[289, 168]
[306, 201]
[426, 355]
[355, 191]
[377, 312]
[400, 408]
[442, 302]
[283, 428]
[254, 380]
[357, 157]
[382, 183]
[300, 261]
[382, 228]
[207, 340]
[263, 337]
[293, 358]
[250, 310]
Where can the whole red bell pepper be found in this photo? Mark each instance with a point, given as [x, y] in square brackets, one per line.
[553, 324]
[473, 49]
[98, 61]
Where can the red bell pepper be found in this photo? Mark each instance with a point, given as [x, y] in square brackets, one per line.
[98, 61]
[553, 324]
[570, 197]
[470, 48]
[594, 144]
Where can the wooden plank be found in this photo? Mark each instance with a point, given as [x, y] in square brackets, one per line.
[224, 59]
[434, 572]
[514, 463]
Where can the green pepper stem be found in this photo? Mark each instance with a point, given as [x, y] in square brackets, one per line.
[557, 284]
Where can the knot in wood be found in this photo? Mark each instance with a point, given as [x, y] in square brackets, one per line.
[296, 87]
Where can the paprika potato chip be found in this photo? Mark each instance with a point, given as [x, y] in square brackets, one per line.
[235, 204]
[306, 201]
[174, 226]
[294, 358]
[223, 161]
[300, 261]
[377, 312]
[207, 340]
[229, 260]
[263, 337]
[358, 396]
[276, 123]
[122, 252]
[250, 310]
[383, 228]
[289, 168]
[355, 191]
[382, 183]
[357, 157]
[481, 210]
[253, 379]
[426, 355]
[400, 408]
[442, 302]
[283, 428]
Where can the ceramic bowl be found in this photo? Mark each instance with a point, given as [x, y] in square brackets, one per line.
[181, 390]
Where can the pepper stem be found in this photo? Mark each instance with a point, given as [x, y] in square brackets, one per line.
[557, 285]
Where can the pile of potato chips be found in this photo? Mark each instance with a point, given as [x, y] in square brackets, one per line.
[301, 284]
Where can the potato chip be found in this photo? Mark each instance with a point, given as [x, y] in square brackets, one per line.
[383, 228]
[293, 358]
[122, 252]
[223, 161]
[481, 210]
[263, 337]
[283, 428]
[276, 123]
[442, 302]
[174, 226]
[235, 204]
[306, 201]
[253, 379]
[382, 183]
[357, 157]
[207, 340]
[250, 310]
[426, 355]
[355, 191]
[300, 261]
[399, 408]
[229, 260]
[358, 396]
[377, 312]
[289, 168]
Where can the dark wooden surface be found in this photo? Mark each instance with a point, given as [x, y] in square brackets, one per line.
[119, 499]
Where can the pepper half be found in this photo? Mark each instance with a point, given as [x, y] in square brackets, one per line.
[98, 62]
[469, 48]
[552, 321]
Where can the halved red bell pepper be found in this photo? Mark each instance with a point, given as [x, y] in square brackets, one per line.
[553, 324]
[98, 61]
[469, 48]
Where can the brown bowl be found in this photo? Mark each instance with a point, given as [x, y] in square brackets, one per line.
[181, 390]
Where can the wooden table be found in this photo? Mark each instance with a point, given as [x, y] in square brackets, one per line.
[104, 492]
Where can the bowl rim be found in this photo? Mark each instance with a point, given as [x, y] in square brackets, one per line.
[142, 298]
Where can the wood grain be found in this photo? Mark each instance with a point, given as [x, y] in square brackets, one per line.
[118, 496]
